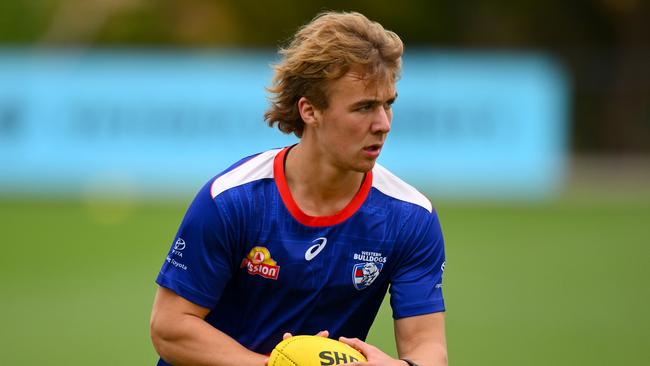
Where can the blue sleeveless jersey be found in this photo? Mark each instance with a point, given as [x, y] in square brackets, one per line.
[263, 267]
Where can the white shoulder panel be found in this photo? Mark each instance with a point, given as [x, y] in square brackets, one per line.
[258, 167]
[390, 185]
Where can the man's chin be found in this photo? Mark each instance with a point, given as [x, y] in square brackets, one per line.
[366, 166]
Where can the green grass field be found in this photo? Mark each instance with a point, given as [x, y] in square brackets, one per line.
[555, 283]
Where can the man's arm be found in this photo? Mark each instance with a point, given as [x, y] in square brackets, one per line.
[421, 339]
[181, 336]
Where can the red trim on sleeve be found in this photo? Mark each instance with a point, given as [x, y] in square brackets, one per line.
[307, 220]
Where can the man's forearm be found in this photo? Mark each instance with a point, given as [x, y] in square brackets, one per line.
[189, 340]
[431, 354]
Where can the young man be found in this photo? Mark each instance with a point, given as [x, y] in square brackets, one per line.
[307, 239]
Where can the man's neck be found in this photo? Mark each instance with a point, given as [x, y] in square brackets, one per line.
[317, 186]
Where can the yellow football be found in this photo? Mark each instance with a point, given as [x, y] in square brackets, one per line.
[306, 350]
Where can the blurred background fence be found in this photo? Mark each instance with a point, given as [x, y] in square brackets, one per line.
[527, 123]
[160, 123]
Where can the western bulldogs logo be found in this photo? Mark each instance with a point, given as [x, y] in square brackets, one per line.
[364, 274]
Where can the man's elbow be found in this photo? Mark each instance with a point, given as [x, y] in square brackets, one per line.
[161, 333]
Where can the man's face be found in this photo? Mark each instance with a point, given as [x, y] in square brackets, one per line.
[351, 131]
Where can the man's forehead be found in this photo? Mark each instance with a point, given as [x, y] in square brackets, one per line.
[367, 86]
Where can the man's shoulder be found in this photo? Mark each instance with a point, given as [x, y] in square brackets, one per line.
[249, 169]
[395, 188]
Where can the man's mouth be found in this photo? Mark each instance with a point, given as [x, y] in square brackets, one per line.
[372, 150]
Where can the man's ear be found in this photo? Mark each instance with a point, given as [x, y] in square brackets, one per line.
[309, 114]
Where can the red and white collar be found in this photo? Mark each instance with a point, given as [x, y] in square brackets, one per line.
[308, 220]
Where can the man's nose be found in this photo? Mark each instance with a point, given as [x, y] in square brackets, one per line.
[382, 120]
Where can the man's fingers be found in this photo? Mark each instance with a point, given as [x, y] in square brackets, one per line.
[323, 333]
[351, 341]
[356, 343]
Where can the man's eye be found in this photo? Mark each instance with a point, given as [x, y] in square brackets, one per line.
[365, 108]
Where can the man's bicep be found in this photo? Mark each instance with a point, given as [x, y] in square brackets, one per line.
[168, 317]
[168, 303]
[416, 335]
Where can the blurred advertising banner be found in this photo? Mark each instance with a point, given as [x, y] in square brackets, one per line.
[155, 123]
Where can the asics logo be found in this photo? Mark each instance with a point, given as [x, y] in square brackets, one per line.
[313, 250]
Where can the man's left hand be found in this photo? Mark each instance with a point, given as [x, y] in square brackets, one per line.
[375, 356]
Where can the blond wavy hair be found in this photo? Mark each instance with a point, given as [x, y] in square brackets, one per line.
[324, 50]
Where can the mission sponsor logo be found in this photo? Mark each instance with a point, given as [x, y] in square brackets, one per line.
[259, 262]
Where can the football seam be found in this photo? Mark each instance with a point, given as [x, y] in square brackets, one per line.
[288, 359]
[295, 338]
